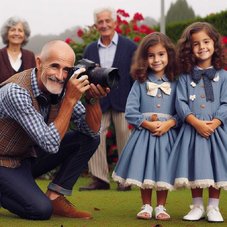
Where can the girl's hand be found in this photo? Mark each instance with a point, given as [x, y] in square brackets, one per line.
[164, 127]
[215, 123]
[151, 125]
[204, 128]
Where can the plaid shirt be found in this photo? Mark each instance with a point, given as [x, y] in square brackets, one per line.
[16, 103]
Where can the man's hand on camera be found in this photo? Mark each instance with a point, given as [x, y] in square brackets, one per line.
[95, 92]
[76, 87]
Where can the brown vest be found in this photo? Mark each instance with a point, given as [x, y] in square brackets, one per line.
[15, 143]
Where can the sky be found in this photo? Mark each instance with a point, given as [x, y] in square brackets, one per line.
[55, 16]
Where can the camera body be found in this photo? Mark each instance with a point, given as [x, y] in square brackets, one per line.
[106, 77]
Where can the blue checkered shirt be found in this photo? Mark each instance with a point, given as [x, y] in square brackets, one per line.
[16, 103]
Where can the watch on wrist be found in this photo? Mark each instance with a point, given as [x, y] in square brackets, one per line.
[91, 101]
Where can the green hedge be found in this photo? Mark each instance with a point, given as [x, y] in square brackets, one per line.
[218, 20]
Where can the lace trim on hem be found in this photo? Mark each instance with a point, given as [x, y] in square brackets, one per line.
[184, 182]
[147, 184]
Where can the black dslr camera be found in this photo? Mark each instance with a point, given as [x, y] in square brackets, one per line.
[106, 77]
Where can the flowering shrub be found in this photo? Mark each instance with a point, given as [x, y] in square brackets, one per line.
[132, 28]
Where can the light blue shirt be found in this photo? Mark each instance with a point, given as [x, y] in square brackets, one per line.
[107, 53]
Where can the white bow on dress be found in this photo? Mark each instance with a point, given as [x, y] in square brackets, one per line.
[152, 88]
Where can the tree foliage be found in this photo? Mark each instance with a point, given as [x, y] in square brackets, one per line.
[179, 11]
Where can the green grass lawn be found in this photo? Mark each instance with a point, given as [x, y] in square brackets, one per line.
[113, 208]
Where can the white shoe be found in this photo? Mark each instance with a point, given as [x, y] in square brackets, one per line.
[213, 214]
[196, 213]
[146, 212]
[161, 210]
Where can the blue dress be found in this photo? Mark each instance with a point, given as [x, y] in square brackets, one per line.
[143, 161]
[200, 162]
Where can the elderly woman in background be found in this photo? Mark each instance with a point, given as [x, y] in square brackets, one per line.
[13, 58]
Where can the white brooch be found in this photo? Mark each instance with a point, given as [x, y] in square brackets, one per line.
[193, 84]
[192, 97]
[216, 78]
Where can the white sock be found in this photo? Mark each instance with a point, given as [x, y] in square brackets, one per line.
[213, 202]
[198, 201]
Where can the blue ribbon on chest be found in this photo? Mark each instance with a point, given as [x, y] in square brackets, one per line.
[207, 75]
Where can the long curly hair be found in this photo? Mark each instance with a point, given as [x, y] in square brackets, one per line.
[140, 67]
[185, 56]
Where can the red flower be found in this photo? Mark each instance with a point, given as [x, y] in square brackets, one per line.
[109, 134]
[224, 39]
[145, 29]
[119, 19]
[135, 28]
[122, 13]
[118, 30]
[138, 17]
[113, 148]
[137, 39]
[80, 33]
[115, 160]
[68, 40]
[127, 31]
[124, 22]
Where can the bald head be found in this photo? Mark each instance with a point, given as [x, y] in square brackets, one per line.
[57, 47]
[53, 65]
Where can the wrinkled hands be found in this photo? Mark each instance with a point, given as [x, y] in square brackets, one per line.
[76, 87]
[96, 91]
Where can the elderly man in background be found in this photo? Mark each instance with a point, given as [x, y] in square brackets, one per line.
[110, 50]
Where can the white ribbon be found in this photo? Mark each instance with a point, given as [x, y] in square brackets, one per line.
[152, 88]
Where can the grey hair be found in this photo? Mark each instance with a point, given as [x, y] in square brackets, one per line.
[12, 21]
[108, 9]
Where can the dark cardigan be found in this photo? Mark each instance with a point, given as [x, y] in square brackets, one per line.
[117, 97]
[6, 70]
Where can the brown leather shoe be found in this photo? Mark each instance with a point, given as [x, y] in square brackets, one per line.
[123, 188]
[96, 184]
[62, 207]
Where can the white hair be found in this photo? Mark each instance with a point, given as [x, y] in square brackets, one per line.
[104, 9]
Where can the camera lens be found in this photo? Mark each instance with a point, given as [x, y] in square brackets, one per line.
[106, 77]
